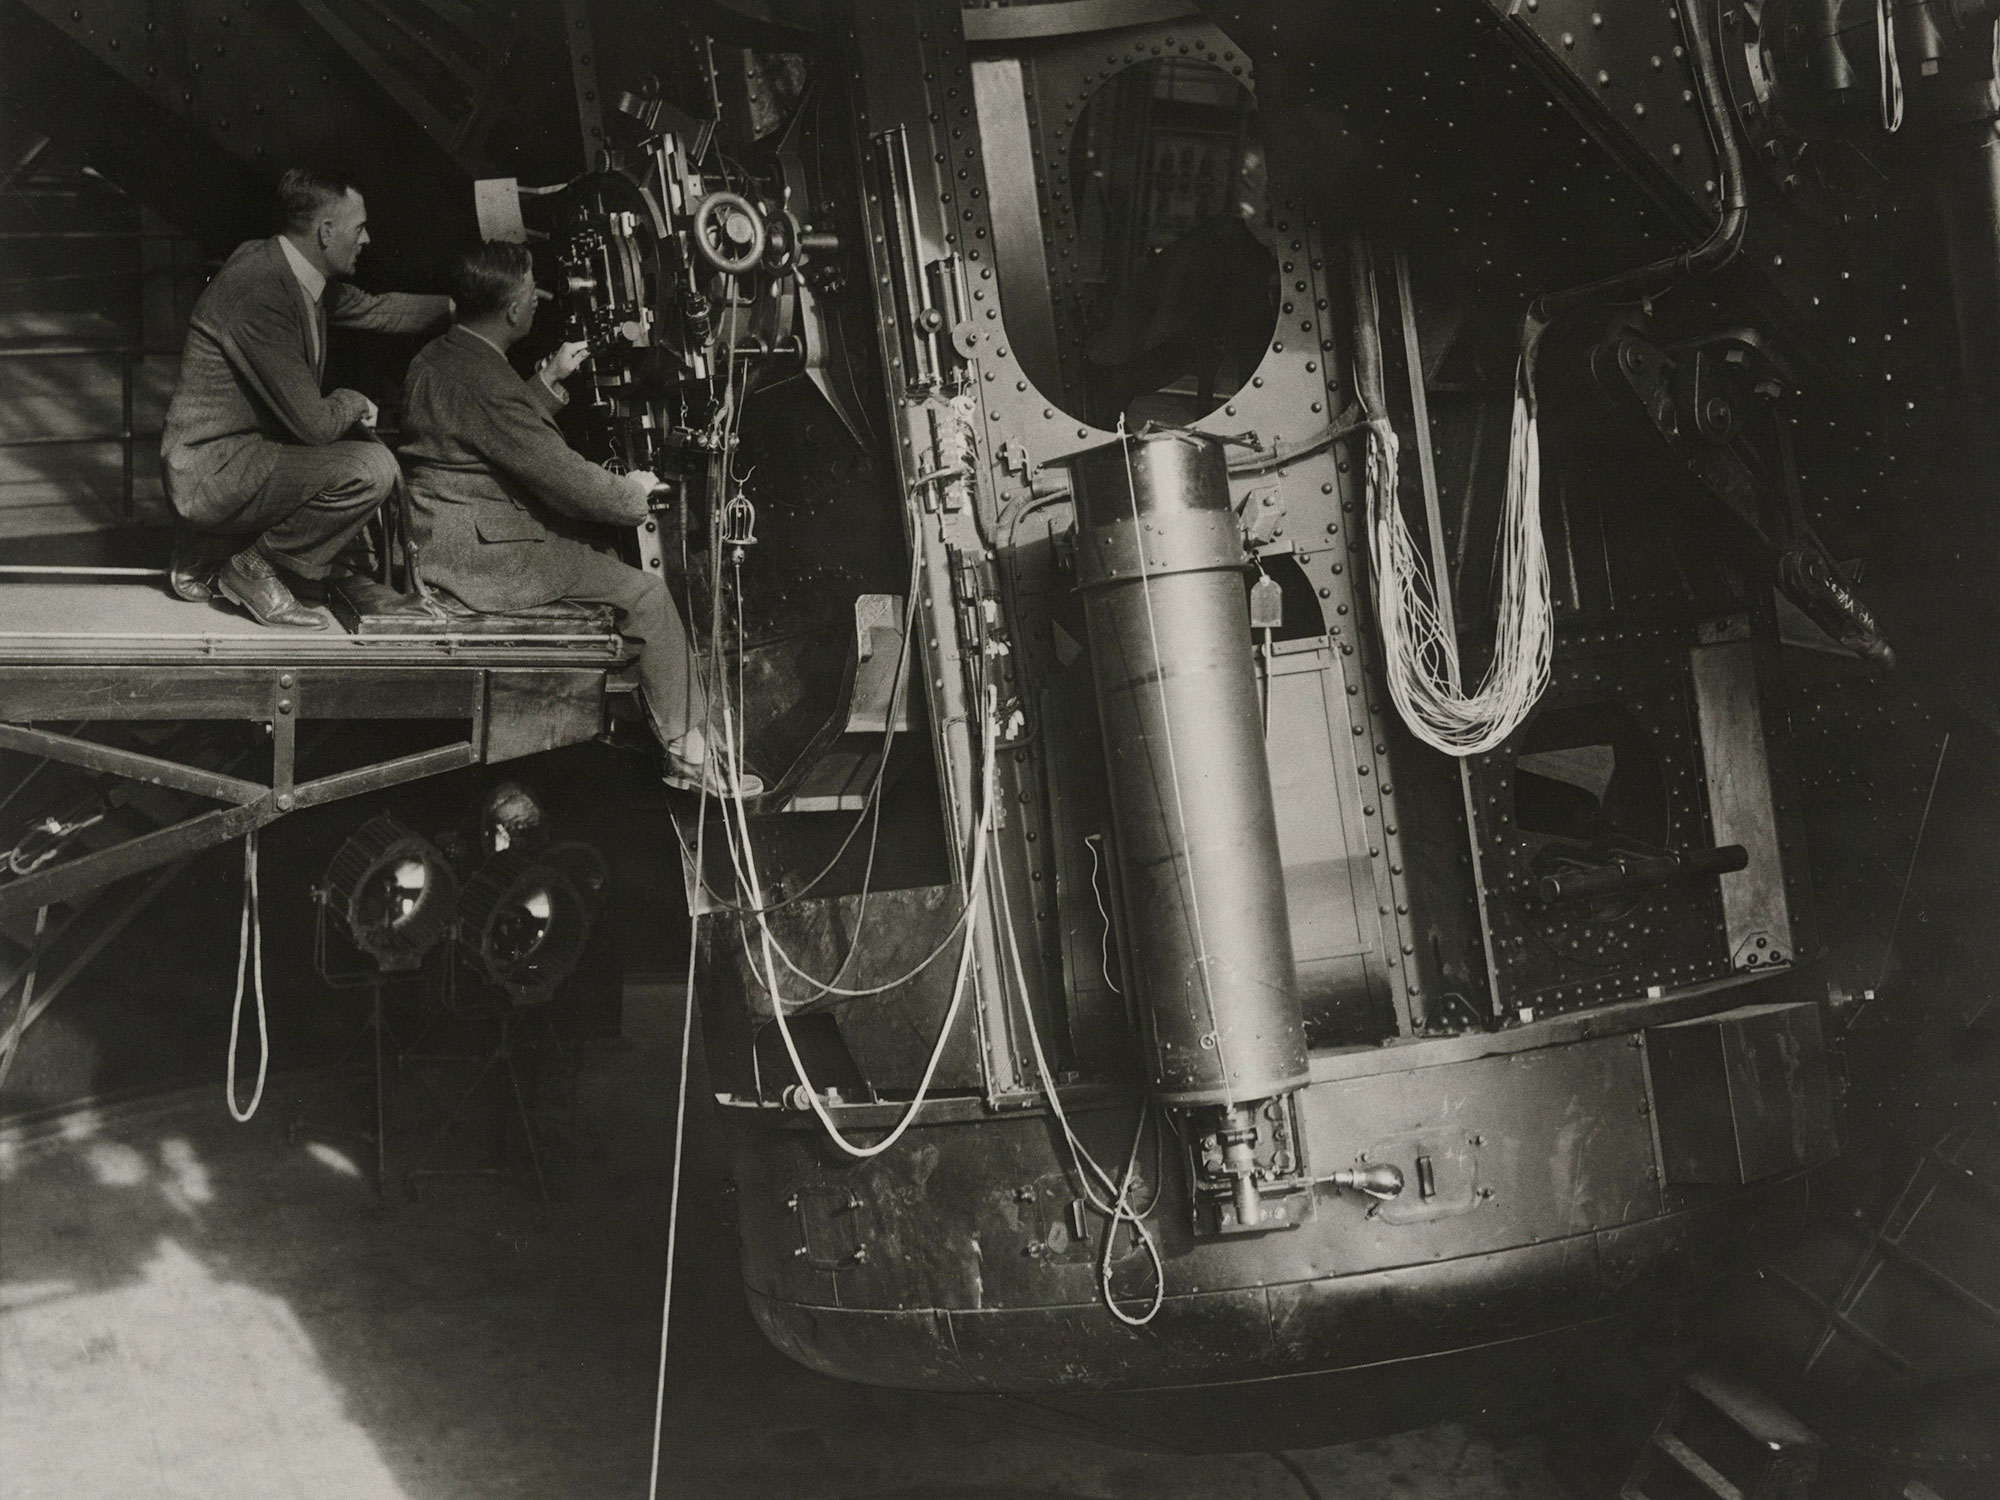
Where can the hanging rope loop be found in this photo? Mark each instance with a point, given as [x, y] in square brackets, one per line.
[249, 942]
[1889, 66]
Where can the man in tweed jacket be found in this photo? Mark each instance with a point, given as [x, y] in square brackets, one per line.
[252, 450]
[492, 483]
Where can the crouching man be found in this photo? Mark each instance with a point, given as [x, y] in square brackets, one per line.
[492, 481]
[262, 468]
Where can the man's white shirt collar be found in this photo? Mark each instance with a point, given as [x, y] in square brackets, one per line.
[308, 274]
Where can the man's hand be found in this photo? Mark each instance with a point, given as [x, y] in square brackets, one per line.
[647, 482]
[364, 410]
[565, 362]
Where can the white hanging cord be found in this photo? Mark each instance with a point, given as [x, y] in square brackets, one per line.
[825, 987]
[250, 937]
[1173, 762]
[870, 813]
[1889, 65]
[741, 847]
[10, 1044]
[680, 1138]
[1420, 653]
[822, 989]
[1117, 1204]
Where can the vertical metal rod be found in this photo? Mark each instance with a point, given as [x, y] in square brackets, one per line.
[1420, 416]
[1368, 373]
[1917, 848]
[381, 1135]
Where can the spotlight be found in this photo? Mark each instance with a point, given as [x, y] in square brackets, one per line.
[587, 869]
[524, 925]
[394, 893]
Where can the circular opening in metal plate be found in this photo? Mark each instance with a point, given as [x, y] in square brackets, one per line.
[1169, 287]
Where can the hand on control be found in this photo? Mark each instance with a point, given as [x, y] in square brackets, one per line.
[647, 482]
[565, 362]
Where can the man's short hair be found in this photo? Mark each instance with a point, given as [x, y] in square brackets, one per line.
[305, 194]
[487, 277]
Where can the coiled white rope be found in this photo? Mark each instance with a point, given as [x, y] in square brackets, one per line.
[1889, 65]
[1420, 653]
[250, 936]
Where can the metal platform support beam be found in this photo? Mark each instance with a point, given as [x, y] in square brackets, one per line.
[505, 713]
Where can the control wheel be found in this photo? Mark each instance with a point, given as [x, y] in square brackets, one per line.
[729, 232]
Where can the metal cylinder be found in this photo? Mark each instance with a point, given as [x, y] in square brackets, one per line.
[1161, 565]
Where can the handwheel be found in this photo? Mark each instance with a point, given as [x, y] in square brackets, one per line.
[729, 232]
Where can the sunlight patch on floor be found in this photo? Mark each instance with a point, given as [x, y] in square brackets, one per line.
[177, 1384]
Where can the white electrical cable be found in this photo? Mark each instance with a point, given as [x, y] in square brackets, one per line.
[823, 989]
[1889, 65]
[1117, 1206]
[1090, 842]
[1421, 655]
[680, 1138]
[740, 839]
[251, 936]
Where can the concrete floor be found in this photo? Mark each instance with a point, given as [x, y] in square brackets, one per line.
[194, 1308]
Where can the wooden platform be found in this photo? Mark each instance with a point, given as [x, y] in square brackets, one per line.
[137, 622]
[93, 655]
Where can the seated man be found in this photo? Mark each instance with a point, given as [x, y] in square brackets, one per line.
[252, 450]
[490, 475]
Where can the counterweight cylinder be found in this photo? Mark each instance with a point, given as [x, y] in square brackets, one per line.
[1160, 564]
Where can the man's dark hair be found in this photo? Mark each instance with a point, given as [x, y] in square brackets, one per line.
[305, 193]
[487, 277]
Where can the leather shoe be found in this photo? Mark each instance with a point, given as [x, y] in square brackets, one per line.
[713, 779]
[692, 765]
[191, 569]
[249, 581]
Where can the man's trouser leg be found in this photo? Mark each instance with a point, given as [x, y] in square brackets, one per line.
[316, 499]
[675, 702]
